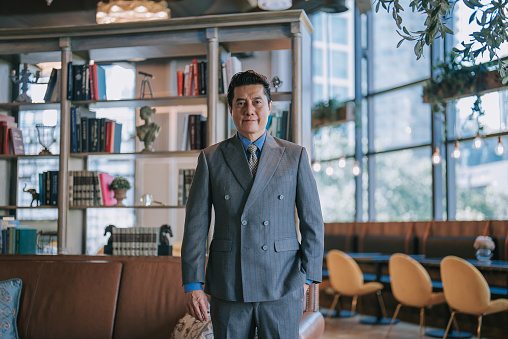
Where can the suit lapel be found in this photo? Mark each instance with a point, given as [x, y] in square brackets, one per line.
[268, 162]
[237, 161]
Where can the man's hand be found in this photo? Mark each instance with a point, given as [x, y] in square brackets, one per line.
[196, 304]
[305, 288]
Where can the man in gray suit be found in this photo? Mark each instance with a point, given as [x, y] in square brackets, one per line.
[257, 270]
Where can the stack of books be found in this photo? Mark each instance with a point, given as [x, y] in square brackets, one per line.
[16, 239]
[192, 80]
[185, 177]
[137, 241]
[86, 82]
[11, 138]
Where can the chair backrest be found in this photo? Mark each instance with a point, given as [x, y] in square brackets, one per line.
[410, 282]
[465, 288]
[345, 275]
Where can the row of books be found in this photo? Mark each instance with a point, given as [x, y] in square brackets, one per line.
[11, 137]
[85, 82]
[90, 188]
[192, 80]
[138, 241]
[91, 134]
[185, 177]
[193, 127]
[278, 125]
[16, 239]
[229, 67]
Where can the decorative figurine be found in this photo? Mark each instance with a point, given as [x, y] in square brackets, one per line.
[276, 83]
[146, 81]
[23, 78]
[149, 131]
[119, 186]
[35, 195]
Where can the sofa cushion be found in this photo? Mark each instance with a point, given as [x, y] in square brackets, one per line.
[343, 242]
[75, 300]
[190, 328]
[387, 244]
[10, 291]
[440, 247]
[151, 298]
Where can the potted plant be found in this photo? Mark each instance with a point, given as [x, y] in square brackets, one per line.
[119, 186]
[332, 112]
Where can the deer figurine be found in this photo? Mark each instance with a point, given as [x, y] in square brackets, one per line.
[35, 195]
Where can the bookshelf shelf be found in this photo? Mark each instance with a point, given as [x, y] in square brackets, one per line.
[168, 101]
[139, 155]
[130, 207]
[163, 46]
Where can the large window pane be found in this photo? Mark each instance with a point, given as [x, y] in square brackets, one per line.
[334, 141]
[495, 119]
[339, 64]
[404, 185]
[397, 66]
[481, 182]
[401, 119]
[337, 192]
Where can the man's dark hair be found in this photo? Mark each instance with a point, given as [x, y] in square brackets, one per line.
[248, 78]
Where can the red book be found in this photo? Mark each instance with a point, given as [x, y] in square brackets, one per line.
[5, 126]
[93, 82]
[17, 145]
[179, 81]
[110, 136]
[107, 193]
[195, 83]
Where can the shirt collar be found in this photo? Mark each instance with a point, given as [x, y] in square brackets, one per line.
[246, 142]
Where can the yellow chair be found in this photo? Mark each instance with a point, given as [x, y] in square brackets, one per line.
[346, 278]
[411, 286]
[467, 291]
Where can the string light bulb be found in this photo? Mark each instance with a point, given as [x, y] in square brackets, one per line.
[329, 170]
[342, 162]
[499, 148]
[356, 169]
[316, 166]
[436, 158]
[456, 150]
[477, 142]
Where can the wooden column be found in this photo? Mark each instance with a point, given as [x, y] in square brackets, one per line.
[212, 37]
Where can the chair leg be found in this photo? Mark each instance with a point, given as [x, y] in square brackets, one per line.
[393, 320]
[455, 323]
[449, 323]
[382, 303]
[353, 308]
[334, 303]
[422, 321]
[480, 318]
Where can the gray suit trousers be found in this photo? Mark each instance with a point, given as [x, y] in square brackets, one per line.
[277, 319]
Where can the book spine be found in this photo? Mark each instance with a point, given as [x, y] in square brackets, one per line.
[70, 81]
[84, 134]
[70, 181]
[195, 77]
[53, 194]
[179, 82]
[93, 135]
[102, 135]
[74, 136]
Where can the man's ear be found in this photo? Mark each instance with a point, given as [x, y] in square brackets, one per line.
[230, 110]
[269, 107]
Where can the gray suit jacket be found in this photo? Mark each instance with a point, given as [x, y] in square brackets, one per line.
[255, 254]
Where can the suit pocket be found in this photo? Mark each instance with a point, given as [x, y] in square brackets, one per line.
[287, 244]
[283, 178]
[221, 245]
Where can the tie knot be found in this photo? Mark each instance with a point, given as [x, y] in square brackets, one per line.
[252, 149]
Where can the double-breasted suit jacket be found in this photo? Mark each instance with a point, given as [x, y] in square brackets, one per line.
[255, 254]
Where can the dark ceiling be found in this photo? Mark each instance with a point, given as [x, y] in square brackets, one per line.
[37, 13]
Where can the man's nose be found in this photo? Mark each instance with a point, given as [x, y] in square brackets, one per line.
[249, 108]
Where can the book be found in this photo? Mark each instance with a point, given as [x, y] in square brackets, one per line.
[98, 199]
[78, 92]
[51, 85]
[107, 194]
[53, 188]
[73, 129]
[70, 81]
[100, 82]
[26, 241]
[202, 77]
[16, 140]
[233, 66]
[118, 138]
[195, 77]
[186, 80]
[110, 136]
[179, 83]
[9, 118]
[5, 126]
[93, 79]
[93, 135]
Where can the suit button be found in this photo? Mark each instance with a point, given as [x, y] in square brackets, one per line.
[264, 247]
[244, 222]
[265, 223]
[281, 197]
[226, 197]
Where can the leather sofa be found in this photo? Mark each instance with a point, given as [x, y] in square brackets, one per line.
[107, 297]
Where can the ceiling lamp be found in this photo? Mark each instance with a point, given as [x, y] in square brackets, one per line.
[334, 6]
[127, 11]
[274, 5]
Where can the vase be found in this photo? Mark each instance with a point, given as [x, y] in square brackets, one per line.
[120, 194]
[483, 255]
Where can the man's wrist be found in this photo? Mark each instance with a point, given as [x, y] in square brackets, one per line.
[192, 287]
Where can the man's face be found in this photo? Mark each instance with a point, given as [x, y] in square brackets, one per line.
[250, 111]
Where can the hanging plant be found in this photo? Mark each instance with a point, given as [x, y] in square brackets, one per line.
[490, 17]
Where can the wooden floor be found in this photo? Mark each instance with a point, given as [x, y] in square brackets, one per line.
[340, 328]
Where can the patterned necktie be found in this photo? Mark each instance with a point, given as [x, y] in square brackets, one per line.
[253, 159]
